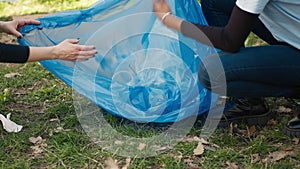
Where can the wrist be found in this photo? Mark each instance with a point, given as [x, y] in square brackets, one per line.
[164, 16]
[53, 52]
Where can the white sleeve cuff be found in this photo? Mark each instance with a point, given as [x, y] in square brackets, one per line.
[252, 6]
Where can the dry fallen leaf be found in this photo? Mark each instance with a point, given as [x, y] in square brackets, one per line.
[36, 149]
[179, 157]
[283, 109]
[111, 164]
[296, 141]
[191, 139]
[11, 75]
[231, 165]
[199, 150]
[127, 163]
[271, 122]
[277, 155]
[58, 129]
[250, 132]
[141, 146]
[39, 143]
[8, 148]
[118, 142]
[206, 145]
[203, 141]
[160, 149]
[188, 160]
[36, 140]
[50, 133]
[289, 148]
[54, 120]
[255, 158]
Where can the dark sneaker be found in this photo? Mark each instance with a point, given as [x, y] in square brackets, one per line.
[292, 128]
[251, 111]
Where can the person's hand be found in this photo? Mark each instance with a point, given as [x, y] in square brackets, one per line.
[13, 27]
[71, 51]
[160, 7]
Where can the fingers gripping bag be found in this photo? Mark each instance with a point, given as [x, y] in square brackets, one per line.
[143, 71]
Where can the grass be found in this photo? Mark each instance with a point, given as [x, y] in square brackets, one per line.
[44, 106]
[25, 7]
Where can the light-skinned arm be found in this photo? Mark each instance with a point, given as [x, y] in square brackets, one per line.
[69, 49]
[66, 50]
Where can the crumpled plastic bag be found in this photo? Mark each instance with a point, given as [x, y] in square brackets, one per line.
[143, 71]
[9, 125]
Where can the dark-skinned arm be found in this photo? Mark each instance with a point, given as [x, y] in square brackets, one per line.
[229, 38]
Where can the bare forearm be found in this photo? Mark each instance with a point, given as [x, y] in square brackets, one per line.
[68, 50]
[187, 29]
[229, 38]
[41, 53]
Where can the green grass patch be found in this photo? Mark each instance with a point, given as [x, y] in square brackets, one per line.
[26, 7]
[43, 104]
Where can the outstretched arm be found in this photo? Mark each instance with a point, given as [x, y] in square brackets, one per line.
[69, 49]
[66, 50]
[229, 38]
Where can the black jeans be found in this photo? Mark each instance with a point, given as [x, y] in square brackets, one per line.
[262, 71]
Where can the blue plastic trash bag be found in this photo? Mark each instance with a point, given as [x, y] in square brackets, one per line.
[143, 71]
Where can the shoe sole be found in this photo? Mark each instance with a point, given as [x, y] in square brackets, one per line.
[255, 120]
[291, 132]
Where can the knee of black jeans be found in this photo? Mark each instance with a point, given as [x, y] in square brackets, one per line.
[203, 77]
[212, 76]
